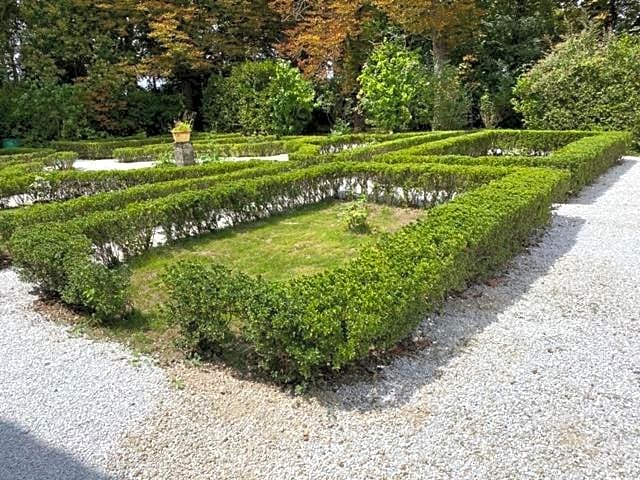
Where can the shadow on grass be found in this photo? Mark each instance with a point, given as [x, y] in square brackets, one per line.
[23, 457]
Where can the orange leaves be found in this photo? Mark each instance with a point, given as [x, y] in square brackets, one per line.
[431, 16]
[318, 31]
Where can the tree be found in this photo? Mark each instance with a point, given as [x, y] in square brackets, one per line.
[511, 36]
[330, 41]
[188, 41]
[615, 15]
[260, 97]
[445, 22]
[587, 82]
[395, 88]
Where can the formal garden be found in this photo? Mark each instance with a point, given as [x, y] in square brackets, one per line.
[304, 265]
[370, 239]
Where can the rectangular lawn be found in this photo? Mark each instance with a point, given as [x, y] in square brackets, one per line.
[297, 243]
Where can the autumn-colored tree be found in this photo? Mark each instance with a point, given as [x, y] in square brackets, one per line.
[445, 22]
[187, 40]
[330, 41]
[319, 32]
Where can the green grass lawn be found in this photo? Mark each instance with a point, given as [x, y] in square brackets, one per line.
[303, 242]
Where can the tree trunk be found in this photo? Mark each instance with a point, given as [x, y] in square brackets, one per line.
[188, 94]
[439, 51]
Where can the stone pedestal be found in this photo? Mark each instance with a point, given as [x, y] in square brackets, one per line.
[184, 154]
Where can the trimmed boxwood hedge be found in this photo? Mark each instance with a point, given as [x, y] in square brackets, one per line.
[309, 149]
[586, 158]
[120, 233]
[62, 211]
[302, 328]
[47, 186]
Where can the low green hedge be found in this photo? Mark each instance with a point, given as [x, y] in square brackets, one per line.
[130, 231]
[64, 185]
[117, 234]
[302, 328]
[215, 149]
[4, 152]
[539, 142]
[313, 153]
[25, 157]
[586, 158]
[99, 149]
[84, 205]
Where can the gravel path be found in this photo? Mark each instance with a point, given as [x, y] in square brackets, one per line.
[114, 164]
[534, 375]
[65, 401]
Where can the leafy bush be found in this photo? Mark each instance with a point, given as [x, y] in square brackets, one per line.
[396, 91]
[260, 97]
[206, 325]
[587, 82]
[451, 101]
[355, 215]
[93, 286]
[218, 107]
[41, 254]
[42, 112]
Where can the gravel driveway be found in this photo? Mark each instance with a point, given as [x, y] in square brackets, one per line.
[65, 401]
[535, 375]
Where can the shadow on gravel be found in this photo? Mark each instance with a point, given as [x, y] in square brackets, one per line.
[591, 193]
[445, 335]
[22, 457]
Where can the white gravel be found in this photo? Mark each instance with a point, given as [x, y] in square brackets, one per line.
[535, 375]
[65, 401]
[114, 164]
[109, 164]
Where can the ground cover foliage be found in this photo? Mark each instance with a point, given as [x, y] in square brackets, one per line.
[484, 193]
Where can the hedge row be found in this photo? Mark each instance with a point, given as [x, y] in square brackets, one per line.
[302, 328]
[586, 158]
[66, 210]
[527, 142]
[313, 154]
[8, 152]
[217, 149]
[97, 149]
[301, 147]
[25, 157]
[48, 186]
[114, 235]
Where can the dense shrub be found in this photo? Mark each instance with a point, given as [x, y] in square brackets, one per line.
[451, 101]
[41, 254]
[219, 110]
[260, 97]
[42, 112]
[587, 82]
[95, 287]
[396, 90]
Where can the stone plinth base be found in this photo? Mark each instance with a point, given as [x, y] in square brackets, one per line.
[184, 154]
